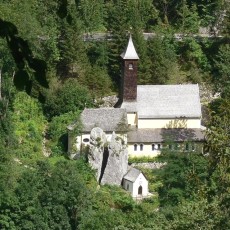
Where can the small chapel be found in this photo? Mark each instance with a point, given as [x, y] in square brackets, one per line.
[147, 117]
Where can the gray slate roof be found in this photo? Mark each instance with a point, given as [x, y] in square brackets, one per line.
[130, 51]
[164, 135]
[132, 174]
[166, 101]
[108, 119]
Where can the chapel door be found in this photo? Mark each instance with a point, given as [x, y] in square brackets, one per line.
[140, 190]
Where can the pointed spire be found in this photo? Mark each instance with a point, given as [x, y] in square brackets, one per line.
[130, 51]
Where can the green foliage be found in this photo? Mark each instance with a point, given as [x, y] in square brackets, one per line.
[189, 18]
[40, 39]
[97, 81]
[91, 13]
[193, 54]
[163, 60]
[47, 197]
[182, 177]
[57, 131]
[70, 96]
[222, 68]
[29, 125]
[141, 159]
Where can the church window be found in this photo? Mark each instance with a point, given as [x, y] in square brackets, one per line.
[186, 147]
[141, 147]
[140, 190]
[86, 140]
[135, 147]
[193, 147]
[130, 66]
[159, 146]
[153, 147]
[176, 146]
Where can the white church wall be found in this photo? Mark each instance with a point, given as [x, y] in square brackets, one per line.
[140, 181]
[166, 123]
[147, 149]
[76, 144]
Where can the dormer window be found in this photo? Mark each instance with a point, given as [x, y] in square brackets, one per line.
[130, 66]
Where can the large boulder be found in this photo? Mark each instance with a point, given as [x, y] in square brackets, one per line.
[117, 163]
[95, 157]
[108, 159]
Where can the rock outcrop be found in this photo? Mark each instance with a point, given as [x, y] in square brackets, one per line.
[108, 159]
[95, 157]
[117, 163]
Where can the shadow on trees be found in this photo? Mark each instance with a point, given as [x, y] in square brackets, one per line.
[23, 58]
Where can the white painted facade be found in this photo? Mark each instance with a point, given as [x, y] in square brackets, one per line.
[75, 144]
[169, 123]
[147, 149]
[138, 188]
[158, 123]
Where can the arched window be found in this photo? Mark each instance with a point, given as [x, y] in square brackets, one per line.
[193, 147]
[140, 190]
[153, 147]
[186, 146]
[176, 146]
[159, 146]
[135, 147]
[130, 66]
[141, 147]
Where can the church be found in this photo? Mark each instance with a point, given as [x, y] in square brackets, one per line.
[147, 117]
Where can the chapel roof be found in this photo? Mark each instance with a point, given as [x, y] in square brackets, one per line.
[132, 174]
[130, 51]
[166, 101]
[164, 135]
[108, 119]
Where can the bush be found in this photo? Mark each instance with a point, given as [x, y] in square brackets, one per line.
[57, 131]
[63, 98]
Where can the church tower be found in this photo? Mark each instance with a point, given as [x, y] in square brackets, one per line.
[129, 72]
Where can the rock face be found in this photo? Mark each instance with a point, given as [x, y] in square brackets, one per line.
[117, 164]
[97, 143]
[109, 159]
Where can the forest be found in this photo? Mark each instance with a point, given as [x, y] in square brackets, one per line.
[49, 72]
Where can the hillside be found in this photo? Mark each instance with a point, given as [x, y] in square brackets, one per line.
[53, 65]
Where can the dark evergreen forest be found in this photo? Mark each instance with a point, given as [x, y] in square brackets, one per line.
[51, 69]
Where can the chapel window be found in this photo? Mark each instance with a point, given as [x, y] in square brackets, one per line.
[130, 66]
[135, 147]
[193, 147]
[153, 147]
[86, 140]
[176, 146]
[187, 147]
[159, 146]
[141, 147]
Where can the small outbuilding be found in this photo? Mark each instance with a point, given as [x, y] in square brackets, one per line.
[136, 183]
